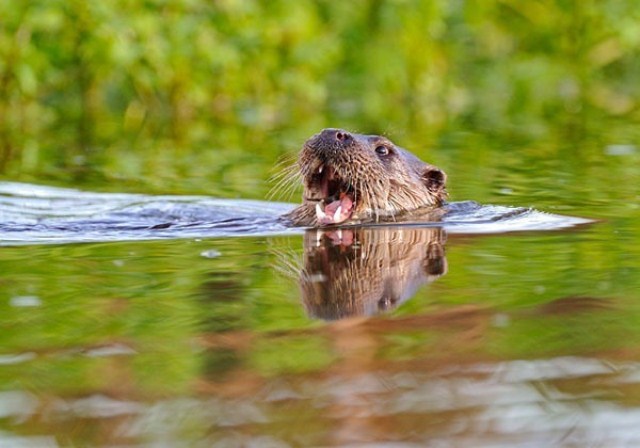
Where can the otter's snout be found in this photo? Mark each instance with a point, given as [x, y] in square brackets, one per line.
[335, 137]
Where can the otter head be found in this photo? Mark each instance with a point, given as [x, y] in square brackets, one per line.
[353, 178]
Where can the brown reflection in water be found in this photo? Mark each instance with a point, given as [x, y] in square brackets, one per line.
[453, 389]
[573, 305]
[365, 271]
[426, 379]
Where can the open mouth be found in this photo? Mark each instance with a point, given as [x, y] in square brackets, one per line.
[337, 197]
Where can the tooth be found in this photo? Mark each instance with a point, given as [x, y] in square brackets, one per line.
[320, 214]
[320, 169]
[336, 215]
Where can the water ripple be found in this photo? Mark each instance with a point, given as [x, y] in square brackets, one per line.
[35, 214]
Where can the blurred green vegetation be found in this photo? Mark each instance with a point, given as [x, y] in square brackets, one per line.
[195, 95]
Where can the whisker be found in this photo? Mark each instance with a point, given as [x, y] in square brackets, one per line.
[284, 172]
[290, 190]
[287, 179]
[286, 186]
[288, 264]
[286, 159]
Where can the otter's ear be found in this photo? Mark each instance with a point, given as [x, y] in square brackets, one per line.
[434, 178]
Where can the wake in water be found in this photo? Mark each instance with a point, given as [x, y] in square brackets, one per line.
[34, 214]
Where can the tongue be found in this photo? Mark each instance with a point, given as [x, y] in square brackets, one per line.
[336, 211]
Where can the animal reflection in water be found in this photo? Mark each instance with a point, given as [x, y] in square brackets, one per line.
[366, 271]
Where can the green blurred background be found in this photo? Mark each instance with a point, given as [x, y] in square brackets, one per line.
[200, 96]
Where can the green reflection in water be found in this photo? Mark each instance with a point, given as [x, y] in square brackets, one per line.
[155, 323]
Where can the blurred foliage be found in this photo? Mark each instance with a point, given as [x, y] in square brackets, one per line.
[153, 92]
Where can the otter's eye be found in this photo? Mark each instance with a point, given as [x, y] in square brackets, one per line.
[382, 150]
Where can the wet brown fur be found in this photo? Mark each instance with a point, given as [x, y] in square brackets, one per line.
[385, 186]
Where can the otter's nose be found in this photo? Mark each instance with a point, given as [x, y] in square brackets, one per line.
[336, 136]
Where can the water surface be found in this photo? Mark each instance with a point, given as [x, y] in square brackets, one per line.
[31, 214]
[400, 334]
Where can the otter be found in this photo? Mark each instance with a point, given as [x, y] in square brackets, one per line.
[363, 271]
[352, 178]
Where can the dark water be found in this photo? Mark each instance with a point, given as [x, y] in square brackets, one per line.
[385, 336]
